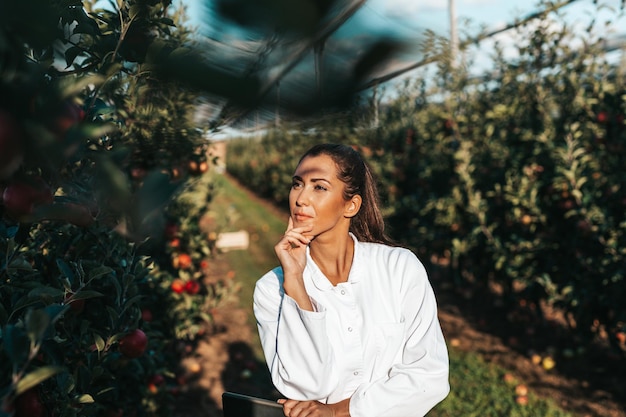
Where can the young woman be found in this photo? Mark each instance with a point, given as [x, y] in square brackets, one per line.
[348, 322]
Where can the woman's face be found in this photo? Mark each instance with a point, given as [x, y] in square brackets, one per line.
[316, 196]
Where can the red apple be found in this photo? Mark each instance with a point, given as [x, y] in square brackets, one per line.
[22, 196]
[134, 344]
[171, 230]
[178, 286]
[146, 315]
[11, 139]
[521, 390]
[77, 306]
[69, 115]
[203, 167]
[192, 287]
[182, 261]
[29, 404]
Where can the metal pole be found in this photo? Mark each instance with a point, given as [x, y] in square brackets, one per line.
[454, 36]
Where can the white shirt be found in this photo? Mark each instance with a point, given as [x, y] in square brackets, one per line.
[375, 338]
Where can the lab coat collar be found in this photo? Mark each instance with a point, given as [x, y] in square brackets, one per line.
[320, 280]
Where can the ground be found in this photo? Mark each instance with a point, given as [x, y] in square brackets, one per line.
[589, 386]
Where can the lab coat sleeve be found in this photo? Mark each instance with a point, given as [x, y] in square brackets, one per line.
[295, 343]
[419, 379]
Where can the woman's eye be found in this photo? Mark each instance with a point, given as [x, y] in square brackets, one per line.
[295, 184]
[320, 187]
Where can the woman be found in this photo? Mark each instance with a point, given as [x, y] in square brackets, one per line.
[348, 322]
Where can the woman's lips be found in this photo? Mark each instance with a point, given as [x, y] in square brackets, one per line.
[301, 218]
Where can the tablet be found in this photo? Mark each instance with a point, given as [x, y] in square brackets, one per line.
[241, 405]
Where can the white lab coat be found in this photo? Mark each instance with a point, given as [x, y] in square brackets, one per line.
[375, 338]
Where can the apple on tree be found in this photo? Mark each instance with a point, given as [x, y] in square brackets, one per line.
[182, 261]
[69, 115]
[133, 344]
[11, 137]
[178, 286]
[192, 287]
[29, 404]
[21, 196]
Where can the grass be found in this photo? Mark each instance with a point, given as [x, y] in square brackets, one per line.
[264, 226]
[477, 388]
[480, 389]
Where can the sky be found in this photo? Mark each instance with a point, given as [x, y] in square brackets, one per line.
[409, 18]
[412, 16]
[491, 13]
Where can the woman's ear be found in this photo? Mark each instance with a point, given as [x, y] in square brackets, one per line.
[353, 206]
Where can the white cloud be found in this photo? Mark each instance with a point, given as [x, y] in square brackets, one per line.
[407, 8]
[477, 2]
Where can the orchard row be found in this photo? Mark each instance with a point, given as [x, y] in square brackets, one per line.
[509, 187]
[98, 157]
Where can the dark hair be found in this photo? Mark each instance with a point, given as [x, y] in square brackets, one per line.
[368, 225]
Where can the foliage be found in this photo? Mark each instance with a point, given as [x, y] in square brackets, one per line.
[97, 146]
[190, 237]
[511, 182]
[68, 295]
[93, 149]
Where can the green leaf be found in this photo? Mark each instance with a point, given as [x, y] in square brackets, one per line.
[78, 85]
[116, 337]
[37, 322]
[3, 316]
[99, 342]
[104, 391]
[19, 263]
[113, 183]
[128, 279]
[112, 315]
[118, 287]
[167, 21]
[65, 269]
[10, 232]
[46, 293]
[56, 311]
[70, 55]
[133, 300]
[16, 343]
[85, 23]
[86, 399]
[86, 294]
[96, 130]
[25, 302]
[99, 272]
[134, 11]
[36, 377]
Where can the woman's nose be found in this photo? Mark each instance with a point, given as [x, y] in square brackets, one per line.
[302, 197]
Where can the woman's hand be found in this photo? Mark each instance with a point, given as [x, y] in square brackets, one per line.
[293, 408]
[291, 252]
[291, 249]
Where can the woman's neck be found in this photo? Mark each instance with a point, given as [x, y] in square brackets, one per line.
[334, 258]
